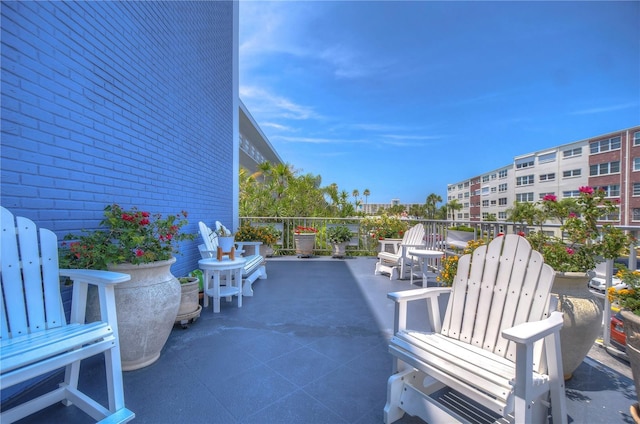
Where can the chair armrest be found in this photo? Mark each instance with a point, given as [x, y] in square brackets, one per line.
[393, 242]
[417, 294]
[254, 244]
[93, 276]
[530, 332]
[106, 282]
[430, 294]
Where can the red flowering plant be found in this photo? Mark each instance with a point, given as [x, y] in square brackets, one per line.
[132, 236]
[300, 229]
[583, 243]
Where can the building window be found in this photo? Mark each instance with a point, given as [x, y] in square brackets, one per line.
[493, 203]
[572, 152]
[502, 215]
[459, 195]
[548, 157]
[493, 176]
[613, 216]
[636, 138]
[636, 214]
[636, 164]
[493, 189]
[524, 197]
[485, 179]
[636, 189]
[612, 143]
[611, 190]
[485, 203]
[541, 195]
[485, 191]
[524, 163]
[526, 180]
[466, 194]
[548, 177]
[571, 193]
[502, 201]
[571, 173]
[502, 187]
[503, 173]
[604, 168]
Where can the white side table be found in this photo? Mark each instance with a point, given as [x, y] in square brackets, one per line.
[212, 267]
[427, 258]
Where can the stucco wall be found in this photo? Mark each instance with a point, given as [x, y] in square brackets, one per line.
[126, 102]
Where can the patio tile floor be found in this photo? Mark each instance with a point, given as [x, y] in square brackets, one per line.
[308, 347]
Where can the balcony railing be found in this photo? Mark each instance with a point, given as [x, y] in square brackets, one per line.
[362, 242]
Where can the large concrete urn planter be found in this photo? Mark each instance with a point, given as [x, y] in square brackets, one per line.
[582, 318]
[147, 306]
[632, 331]
[339, 250]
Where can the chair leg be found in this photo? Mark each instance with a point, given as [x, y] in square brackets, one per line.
[392, 410]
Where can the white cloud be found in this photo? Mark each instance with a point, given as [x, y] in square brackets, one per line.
[272, 106]
[605, 109]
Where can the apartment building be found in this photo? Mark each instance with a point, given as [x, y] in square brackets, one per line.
[609, 161]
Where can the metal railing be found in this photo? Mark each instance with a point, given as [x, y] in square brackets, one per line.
[362, 243]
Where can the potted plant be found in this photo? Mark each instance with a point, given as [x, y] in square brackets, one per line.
[339, 236]
[226, 239]
[143, 245]
[305, 240]
[450, 263]
[384, 228]
[574, 255]
[267, 234]
[628, 300]
[190, 308]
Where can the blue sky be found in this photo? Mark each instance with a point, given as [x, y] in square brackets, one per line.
[404, 98]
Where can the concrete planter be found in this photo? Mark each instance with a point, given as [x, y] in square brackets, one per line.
[304, 244]
[582, 318]
[147, 306]
[339, 250]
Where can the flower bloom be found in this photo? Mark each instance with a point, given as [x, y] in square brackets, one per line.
[139, 252]
[570, 251]
[586, 190]
[521, 233]
[549, 198]
[572, 215]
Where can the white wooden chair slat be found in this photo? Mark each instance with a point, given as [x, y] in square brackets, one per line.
[36, 339]
[490, 346]
[399, 262]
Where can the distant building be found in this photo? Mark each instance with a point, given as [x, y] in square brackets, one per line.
[609, 161]
[255, 147]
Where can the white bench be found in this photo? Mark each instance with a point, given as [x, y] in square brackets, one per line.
[253, 269]
[36, 339]
[498, 343]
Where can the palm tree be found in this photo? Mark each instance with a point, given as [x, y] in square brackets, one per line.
[454, 206]
[431, 202]
[366, 193]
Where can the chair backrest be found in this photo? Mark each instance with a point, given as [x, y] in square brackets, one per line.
[500, 285]
[414, 235]
[30, 297]
[209, 237]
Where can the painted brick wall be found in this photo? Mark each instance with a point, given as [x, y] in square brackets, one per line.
[125, 102]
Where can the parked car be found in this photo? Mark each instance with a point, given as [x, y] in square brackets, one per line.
[599, 284]
[617, 330]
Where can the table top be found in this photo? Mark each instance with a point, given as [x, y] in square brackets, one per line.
[426, 252]
[214, 263]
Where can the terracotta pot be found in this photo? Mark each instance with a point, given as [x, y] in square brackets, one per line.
[582, 318]
[304, 244]
[147, 306]
[632, 331]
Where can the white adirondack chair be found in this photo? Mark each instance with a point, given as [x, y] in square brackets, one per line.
[36, 339]
[399, 263]
[253, 269]
[498, 343]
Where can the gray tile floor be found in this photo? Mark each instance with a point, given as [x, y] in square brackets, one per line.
[309, 347]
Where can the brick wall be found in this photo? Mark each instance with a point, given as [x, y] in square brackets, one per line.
[125, 102]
